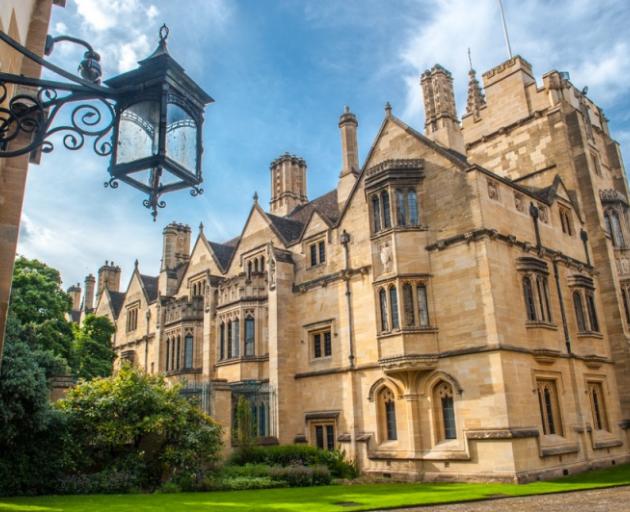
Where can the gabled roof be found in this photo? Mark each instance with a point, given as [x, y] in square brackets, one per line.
[223, 252]
[326, 205]
[116, 299]
[289, 229]
[150, 284]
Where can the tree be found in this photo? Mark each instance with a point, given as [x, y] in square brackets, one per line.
[38, 307]
[32, 434]
[94, 352]
[139, 423]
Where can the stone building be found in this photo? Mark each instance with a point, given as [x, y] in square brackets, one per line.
[26, 21]
[455, 308]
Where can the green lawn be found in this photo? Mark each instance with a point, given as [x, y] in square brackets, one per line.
[320, 499]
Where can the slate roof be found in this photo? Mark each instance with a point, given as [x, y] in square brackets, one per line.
[150, 284]
[289, 229]
[117, 299]
[326, 205]
[223, 252]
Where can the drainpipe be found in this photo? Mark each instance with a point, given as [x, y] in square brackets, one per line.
[345, 241]
[533, 211]
[146, 343]
[584, 238]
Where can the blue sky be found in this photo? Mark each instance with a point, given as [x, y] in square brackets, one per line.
[281, 72]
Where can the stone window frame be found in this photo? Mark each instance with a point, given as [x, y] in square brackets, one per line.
[551, 417]
[383, 290]
[387, 212]
[430, 388]
[442, 390]
[566, 220]
[596, 391]
[174, 358]
[228, 320]
[315, 328]
[328, 428]
[616, 232]
[131, 321]
[536, 295]
[582, 287]
[387, 432]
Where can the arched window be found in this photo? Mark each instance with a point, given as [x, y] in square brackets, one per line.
[412, 207]
[401, 208]
[222, 341]
[249, 269]
[178, 352]
[598, 408]
[393, 304]
[376, 214]
[387, 219]
[188, 351]
[592, 312]
[255, 264]
[236, 338]
[444, 411]
[388, 407]
[168, 353]
[382, 298]
[530, 306]
[410, 317]
[613, 225]
[549, 408]
[262, 420]
[262, 263]
[579, 311]
[543, 298]
[249, 336]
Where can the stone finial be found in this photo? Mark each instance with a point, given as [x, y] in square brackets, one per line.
[476, 98]
[388, 109]
[255, 197]
[201, 228]
[135, 264]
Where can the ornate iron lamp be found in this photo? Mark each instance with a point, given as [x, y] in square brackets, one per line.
[148, 120]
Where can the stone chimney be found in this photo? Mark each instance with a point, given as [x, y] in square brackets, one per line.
[75, 294]
[88, 300]
[288, 184]
[349, 155]
[441, 123]
[108, 277]
[176, 248]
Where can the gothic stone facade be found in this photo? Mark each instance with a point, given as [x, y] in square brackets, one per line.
[456, 308]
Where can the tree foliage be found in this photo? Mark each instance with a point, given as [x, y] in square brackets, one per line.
[94, 352]
[137, 422]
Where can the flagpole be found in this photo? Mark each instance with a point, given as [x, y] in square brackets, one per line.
[505, 30]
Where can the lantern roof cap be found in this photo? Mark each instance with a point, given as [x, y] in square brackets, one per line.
[160, 65]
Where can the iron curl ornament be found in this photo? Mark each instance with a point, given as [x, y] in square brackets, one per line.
[148, 121]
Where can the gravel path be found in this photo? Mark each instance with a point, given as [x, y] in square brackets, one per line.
[601, 500]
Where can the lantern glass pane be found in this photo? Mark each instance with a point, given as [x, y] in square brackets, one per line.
[138, 132]
[181, 137]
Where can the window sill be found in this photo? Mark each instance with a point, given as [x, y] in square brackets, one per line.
[555, 444]
[182, 371]
[398, 332]
[590, 334]
[241, 359]
[541, 325]
[398, 229]
[323, 359]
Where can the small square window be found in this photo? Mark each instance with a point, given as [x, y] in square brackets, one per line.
[317, 253]
[321, 343]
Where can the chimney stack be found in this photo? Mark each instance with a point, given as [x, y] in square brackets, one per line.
[108, 277]
[75, 294]
[349, 155]
[88, 300]
[176, 248]
[441, 123]
[288, 184]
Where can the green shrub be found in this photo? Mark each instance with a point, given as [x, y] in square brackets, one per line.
[321, 475]
[297, 455]
[170, 488]
[108, 481]
[294, 476]
[248, 470]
